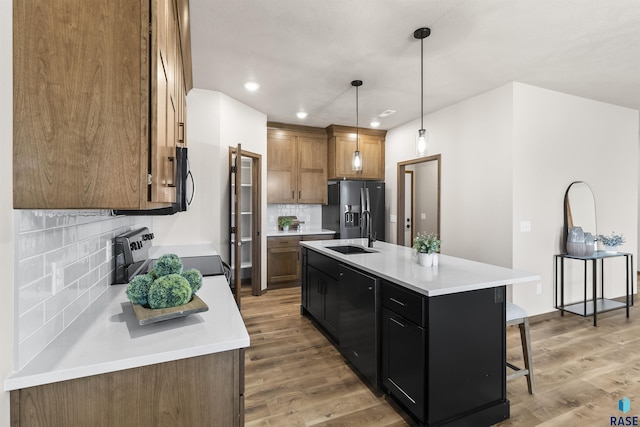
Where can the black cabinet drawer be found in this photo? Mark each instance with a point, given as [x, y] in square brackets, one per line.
[408, 304]
[323, 263]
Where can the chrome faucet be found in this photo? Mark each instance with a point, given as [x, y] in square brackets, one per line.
[366, 216]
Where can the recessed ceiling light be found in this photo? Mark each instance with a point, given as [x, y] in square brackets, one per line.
[375, 123]
[251, 86]
[301, 114]
[386, 113]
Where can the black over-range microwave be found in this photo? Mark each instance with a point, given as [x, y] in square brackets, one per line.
[185, 189]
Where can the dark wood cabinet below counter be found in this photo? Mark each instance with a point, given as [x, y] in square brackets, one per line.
[283, 258]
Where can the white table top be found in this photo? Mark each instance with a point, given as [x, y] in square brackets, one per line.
[107, 338]
[398, 264]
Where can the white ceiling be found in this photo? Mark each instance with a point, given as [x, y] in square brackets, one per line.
[305, 53]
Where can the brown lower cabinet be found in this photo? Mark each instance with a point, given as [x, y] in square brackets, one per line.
[283, 258]
[199, 391]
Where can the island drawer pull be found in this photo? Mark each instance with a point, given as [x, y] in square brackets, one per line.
[398, 302]
[399, 323]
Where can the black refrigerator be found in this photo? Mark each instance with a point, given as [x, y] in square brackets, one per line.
[348, 202]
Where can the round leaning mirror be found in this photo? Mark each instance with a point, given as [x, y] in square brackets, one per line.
[580, 219]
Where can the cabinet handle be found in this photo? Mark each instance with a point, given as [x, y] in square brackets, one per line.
[398, 302]
[181, 133]
[401, 390]
[399, 323]
[299, 194]
[293, 194]
[172, 182]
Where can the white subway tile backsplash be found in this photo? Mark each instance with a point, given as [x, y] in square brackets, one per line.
[58, 302]
[75, 241]
[33, 294]
[39, 339]
[29, 270]
[31, 321]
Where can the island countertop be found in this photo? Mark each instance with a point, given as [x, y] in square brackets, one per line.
[107, 338]
[398, 264]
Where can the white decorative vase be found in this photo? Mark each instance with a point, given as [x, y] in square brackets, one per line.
[425, 260]
[611, 249]
[435, 259]
[285, 228]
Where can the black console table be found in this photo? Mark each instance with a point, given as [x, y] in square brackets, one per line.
[591, 307]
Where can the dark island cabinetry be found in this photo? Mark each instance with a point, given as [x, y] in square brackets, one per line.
[320, 290]
[441, 356]
[404, 347]
[359, 330]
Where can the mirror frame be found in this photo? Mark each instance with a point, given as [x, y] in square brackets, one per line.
[401, 193]
[567, 213]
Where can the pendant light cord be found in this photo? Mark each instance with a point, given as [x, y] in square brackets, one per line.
[421, 83]
[357, 123]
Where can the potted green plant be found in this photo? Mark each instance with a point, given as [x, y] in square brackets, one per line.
[427, 246]
[285, 222]
[611, 242]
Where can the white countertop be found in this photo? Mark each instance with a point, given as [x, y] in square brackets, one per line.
[397, 264]
[107, 338]
[304, 231]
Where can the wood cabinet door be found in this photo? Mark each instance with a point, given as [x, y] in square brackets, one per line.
[281, 168]
[344, 149]
[372, 151]
[312, 169]
[283, 265]
[163, 112]
[77, 106]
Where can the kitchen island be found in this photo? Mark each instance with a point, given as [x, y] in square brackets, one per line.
[106, 369]
[434, 338]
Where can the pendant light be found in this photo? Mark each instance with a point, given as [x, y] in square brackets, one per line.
[356, 163]
[421, 142]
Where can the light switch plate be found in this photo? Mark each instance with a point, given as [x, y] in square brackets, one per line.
[423, 215]
[525, 226]
[393, 218]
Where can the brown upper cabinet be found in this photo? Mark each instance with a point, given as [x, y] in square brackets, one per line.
[99, 102]
[342, 144]
[296, 164]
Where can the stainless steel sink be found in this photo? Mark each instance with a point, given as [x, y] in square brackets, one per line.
[351, 249]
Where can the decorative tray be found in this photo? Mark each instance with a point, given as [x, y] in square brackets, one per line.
[149, 315]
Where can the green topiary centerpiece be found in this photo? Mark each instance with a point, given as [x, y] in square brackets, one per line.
[166, 285]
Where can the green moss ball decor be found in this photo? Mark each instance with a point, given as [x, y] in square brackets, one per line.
[194, 277]
[169, 291]
[168, 264]
[138, 288]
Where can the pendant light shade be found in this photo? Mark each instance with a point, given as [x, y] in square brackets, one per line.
[421, 140]
[356, 162]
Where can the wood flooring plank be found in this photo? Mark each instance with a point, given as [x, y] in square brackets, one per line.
[295, 377]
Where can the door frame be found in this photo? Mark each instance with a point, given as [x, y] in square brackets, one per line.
[401, 193]
[256, 218]
[412, 177]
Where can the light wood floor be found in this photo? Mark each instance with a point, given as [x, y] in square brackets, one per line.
[295, 377]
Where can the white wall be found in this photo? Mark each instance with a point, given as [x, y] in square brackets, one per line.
[474, 138]
[508, 156]
[215, 122]
[6, 201]
[559, 139]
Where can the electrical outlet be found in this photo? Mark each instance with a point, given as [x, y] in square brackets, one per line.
[423, 215]
[539, 288]
[393, 218]
[57, 278]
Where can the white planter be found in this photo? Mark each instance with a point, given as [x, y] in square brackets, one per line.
[425, 260]
[285, 228]
[611, 249]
